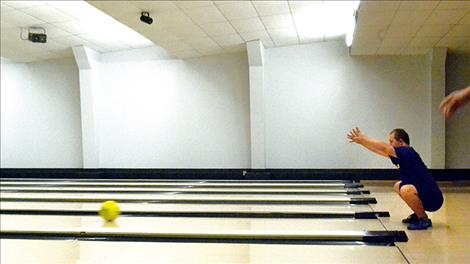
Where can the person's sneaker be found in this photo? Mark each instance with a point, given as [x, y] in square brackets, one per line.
[411, 219]
[422, 224]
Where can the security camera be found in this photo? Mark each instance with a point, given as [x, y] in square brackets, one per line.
[145, 17]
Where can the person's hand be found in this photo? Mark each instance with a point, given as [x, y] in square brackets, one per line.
[355, 135]
[454, 101]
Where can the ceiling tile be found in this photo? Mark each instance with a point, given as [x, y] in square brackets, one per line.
[118, 9]
[445, 17]
[23, 4]
[389, 50]
[5, 24]
[228, 41]
[453, 5]
[192, 4]
[423, 42]
[77, 9]
[239, 10]
[47, 14]
[206, 14]
[379, 5]
[433, 30]
[161, 36]
[223, 2]
[11, 34]
[305, 6]
[459, 31]
[364, 42]
[254, 35]
[465, 20]
[278, 21]
[414, 51]
[236, 48]
[247, 25]
[114, 46]
[20, 19]
[174, 19]
[395, 42]
[418, 5]
[453, 42]
[176, 46]
[27, 46]
[371, 32]
[411, 17]
[54, 45]
[218, 29]
[70, 40]
[97, 38]
[402, 31]
[211, 51]
[5, 8]
[188, 31]
[155, 7]
[65, 53]
[202, 43]
[53, 31]
[375, 18]
[75, 27]
[269, 8]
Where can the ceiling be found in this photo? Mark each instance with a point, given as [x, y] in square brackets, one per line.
[197, 28]
[411, 27]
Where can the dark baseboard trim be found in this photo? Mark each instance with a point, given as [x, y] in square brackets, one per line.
[228, 174]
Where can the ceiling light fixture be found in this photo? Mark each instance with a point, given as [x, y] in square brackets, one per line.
[145, 17]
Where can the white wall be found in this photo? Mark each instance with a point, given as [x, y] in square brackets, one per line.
[175, 113]
[316, 93]
[40, 115]
[458, 127]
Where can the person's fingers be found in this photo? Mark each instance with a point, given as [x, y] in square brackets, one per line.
[444, 111]
[445, 101]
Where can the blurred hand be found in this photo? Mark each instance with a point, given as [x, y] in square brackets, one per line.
[453, 102]
[355, 135]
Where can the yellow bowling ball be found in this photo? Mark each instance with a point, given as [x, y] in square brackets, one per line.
[109, 210]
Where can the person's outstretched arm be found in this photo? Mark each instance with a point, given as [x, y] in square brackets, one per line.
[455, 101]
[374, 145]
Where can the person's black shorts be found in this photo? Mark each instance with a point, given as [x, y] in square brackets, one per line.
[432, 200]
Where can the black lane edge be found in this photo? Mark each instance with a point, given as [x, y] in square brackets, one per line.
[362, 200]
[371, 237]
[309, 215]
[173, 180]
[206, 186]
[340, 192]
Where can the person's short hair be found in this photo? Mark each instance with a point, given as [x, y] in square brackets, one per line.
[400, 133]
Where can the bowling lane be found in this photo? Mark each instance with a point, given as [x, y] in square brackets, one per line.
[191, 207]
[84, 252]
[157, 189]
[178, 184]
[185, 224]
[167, 180]
[116, 196]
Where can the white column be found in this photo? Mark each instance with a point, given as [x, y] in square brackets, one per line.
[86, 60]
[437, 60]
[257, 107]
